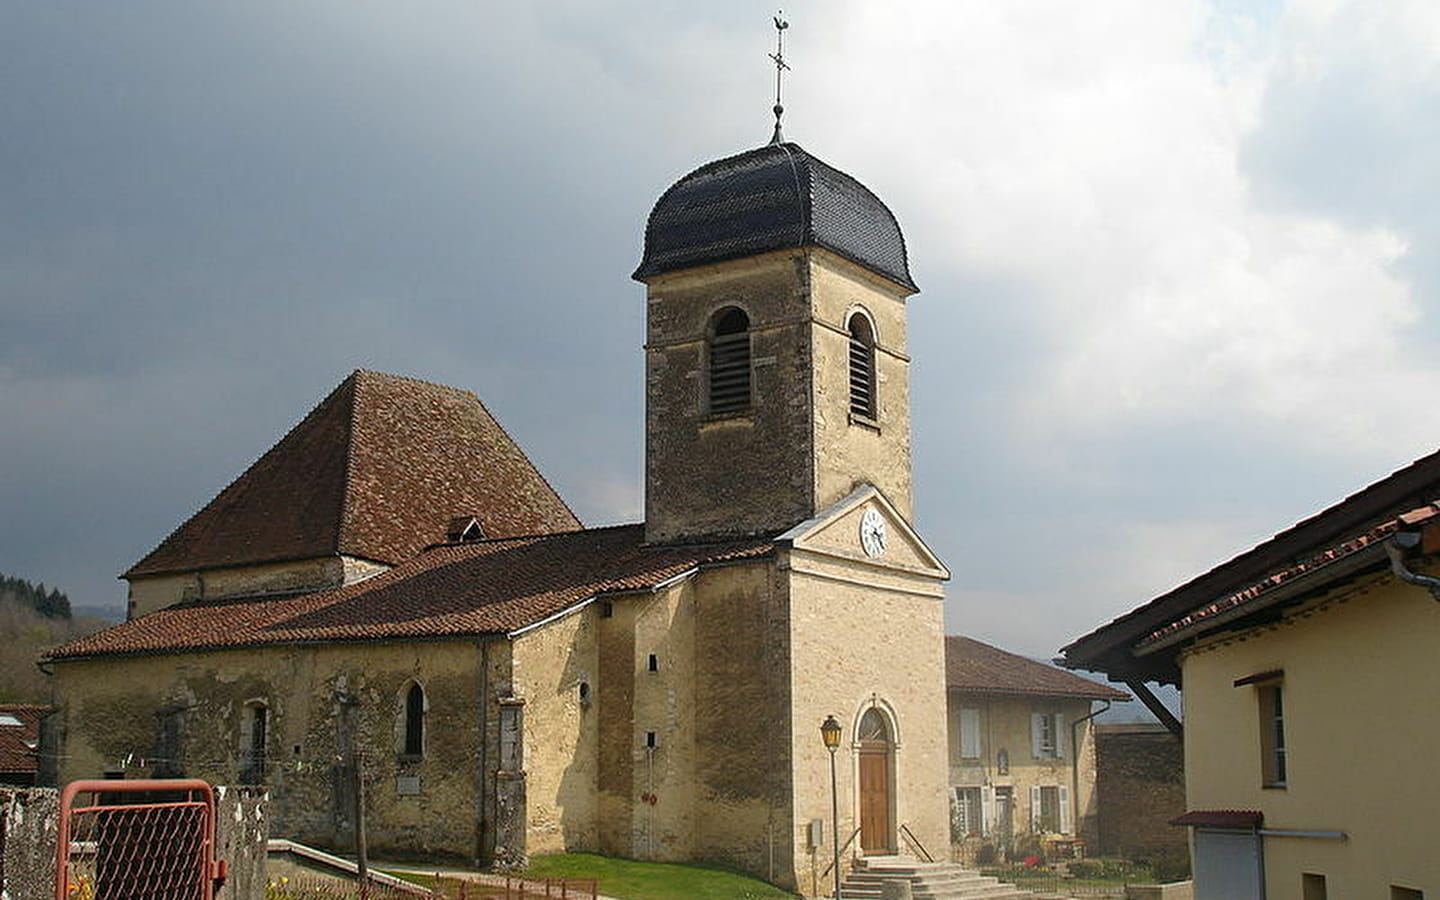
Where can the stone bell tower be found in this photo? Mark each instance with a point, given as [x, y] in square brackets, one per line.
[777, 377]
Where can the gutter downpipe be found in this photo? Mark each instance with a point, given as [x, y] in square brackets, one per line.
[1075, 761]
[1395, 548]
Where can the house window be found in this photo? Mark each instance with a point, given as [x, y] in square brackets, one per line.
[1404, 893]
[966, 816]
[1050, 809]
[862, 367]
[1312, 887]
[415, 721]
[969, 733]
[1047, 735]
[254, 730]
[1272, 734]
[730, 363]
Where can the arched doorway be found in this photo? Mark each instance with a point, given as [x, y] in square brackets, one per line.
[876, 830]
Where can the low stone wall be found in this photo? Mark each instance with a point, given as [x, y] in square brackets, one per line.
[1179, 890]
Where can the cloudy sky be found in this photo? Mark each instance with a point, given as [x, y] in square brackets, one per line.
[1179, 266]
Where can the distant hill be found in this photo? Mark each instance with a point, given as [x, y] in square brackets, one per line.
[51, 604]
[112, 615]
[25, 633]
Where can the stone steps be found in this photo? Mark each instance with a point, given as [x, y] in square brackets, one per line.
[928, 881]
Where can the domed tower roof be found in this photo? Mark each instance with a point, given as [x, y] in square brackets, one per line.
[771, 198]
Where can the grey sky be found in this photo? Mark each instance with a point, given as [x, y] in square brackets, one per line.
[1178, 261]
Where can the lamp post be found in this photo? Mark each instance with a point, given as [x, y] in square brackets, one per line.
[830, 734]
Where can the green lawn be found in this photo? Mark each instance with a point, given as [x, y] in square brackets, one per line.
[633, 880]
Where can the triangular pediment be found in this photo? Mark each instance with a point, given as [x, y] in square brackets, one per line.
[865, 527]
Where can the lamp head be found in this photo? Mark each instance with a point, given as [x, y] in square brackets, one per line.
[830, 733]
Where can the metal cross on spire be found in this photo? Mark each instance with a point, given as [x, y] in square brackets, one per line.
[780, 67]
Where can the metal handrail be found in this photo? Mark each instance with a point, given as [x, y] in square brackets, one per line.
[909, 835]
[843, 847]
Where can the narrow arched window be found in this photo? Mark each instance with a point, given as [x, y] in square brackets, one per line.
[730, 362]
[415, 721]
[254, 738]
[862, 367]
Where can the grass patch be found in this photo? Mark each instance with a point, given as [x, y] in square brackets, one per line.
[632, 880]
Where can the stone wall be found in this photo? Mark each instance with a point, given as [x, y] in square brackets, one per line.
[1141, 776]
[321, 702]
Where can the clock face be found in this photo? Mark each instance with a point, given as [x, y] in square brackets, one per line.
[872, 533]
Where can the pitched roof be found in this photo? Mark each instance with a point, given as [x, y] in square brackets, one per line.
[449, 591]
[16, 750]
[377, 470]
[1325, 543]
[972, 665]
[771, 198]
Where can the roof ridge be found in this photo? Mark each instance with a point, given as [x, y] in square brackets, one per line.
[346, 494]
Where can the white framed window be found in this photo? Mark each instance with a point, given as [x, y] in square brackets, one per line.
[1047, 735]
[967, 813]
[1050, 809]
[969, 733]
[1272, 734]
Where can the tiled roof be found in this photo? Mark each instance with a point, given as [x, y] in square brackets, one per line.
[452, 590]
[16, 751]
[376, 471]
[1330, 535]
[971, 665]
[1413, 518]
[772, 198]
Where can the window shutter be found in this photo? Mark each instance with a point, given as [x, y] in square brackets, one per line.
[969, 734]
[1060, 735]
[1067, 825]
[1035, 809]
[1036, 731]
[987, 809]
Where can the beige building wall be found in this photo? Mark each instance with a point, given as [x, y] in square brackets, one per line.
[152, 592]
[1360, 730]
[1005, 726]
[863, 636]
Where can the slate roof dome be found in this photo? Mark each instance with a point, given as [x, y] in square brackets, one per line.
[771, 198]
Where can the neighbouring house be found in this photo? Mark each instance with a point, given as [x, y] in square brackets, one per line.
[20, 741]
[1022, 761]
[1140, 777]
[393, 603]
[1309, 676]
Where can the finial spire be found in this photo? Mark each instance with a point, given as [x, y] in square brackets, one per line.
[780, 67]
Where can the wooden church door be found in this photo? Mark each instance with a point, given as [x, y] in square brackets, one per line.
[875, 830]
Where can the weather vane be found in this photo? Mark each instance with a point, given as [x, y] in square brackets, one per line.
[780, 67]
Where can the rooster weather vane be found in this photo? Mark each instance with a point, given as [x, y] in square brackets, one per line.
[780, 68]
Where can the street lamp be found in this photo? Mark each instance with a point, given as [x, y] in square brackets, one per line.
[830, 734]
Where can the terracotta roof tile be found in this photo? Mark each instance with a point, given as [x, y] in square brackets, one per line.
[972, 665]
[1221, 818]
[451, 590]
[376, 470]
[16, 741]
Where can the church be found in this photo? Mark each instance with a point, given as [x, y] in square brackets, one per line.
[393, 607]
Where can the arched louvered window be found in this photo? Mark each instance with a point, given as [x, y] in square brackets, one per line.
[415, 721]
[862, 367]
[730, 362]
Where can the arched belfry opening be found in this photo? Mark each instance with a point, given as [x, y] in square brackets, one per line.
[875, 778]
[863, 402]
[729, 369]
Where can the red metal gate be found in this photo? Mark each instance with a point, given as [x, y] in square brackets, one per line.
[126, 840]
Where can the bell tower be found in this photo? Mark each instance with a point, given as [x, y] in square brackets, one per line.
[776, 371]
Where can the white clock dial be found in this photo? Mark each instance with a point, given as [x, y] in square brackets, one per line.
[872, 533]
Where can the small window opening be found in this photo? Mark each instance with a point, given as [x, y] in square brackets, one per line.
[862, 367]
[650, 739]
[654, 663]
[464, 528]
[1313, 887]
[730, 363]
[1405, 893]
[1272, 734]
[607, 609]
[253, 741]
[584, 693]
[415, 721]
